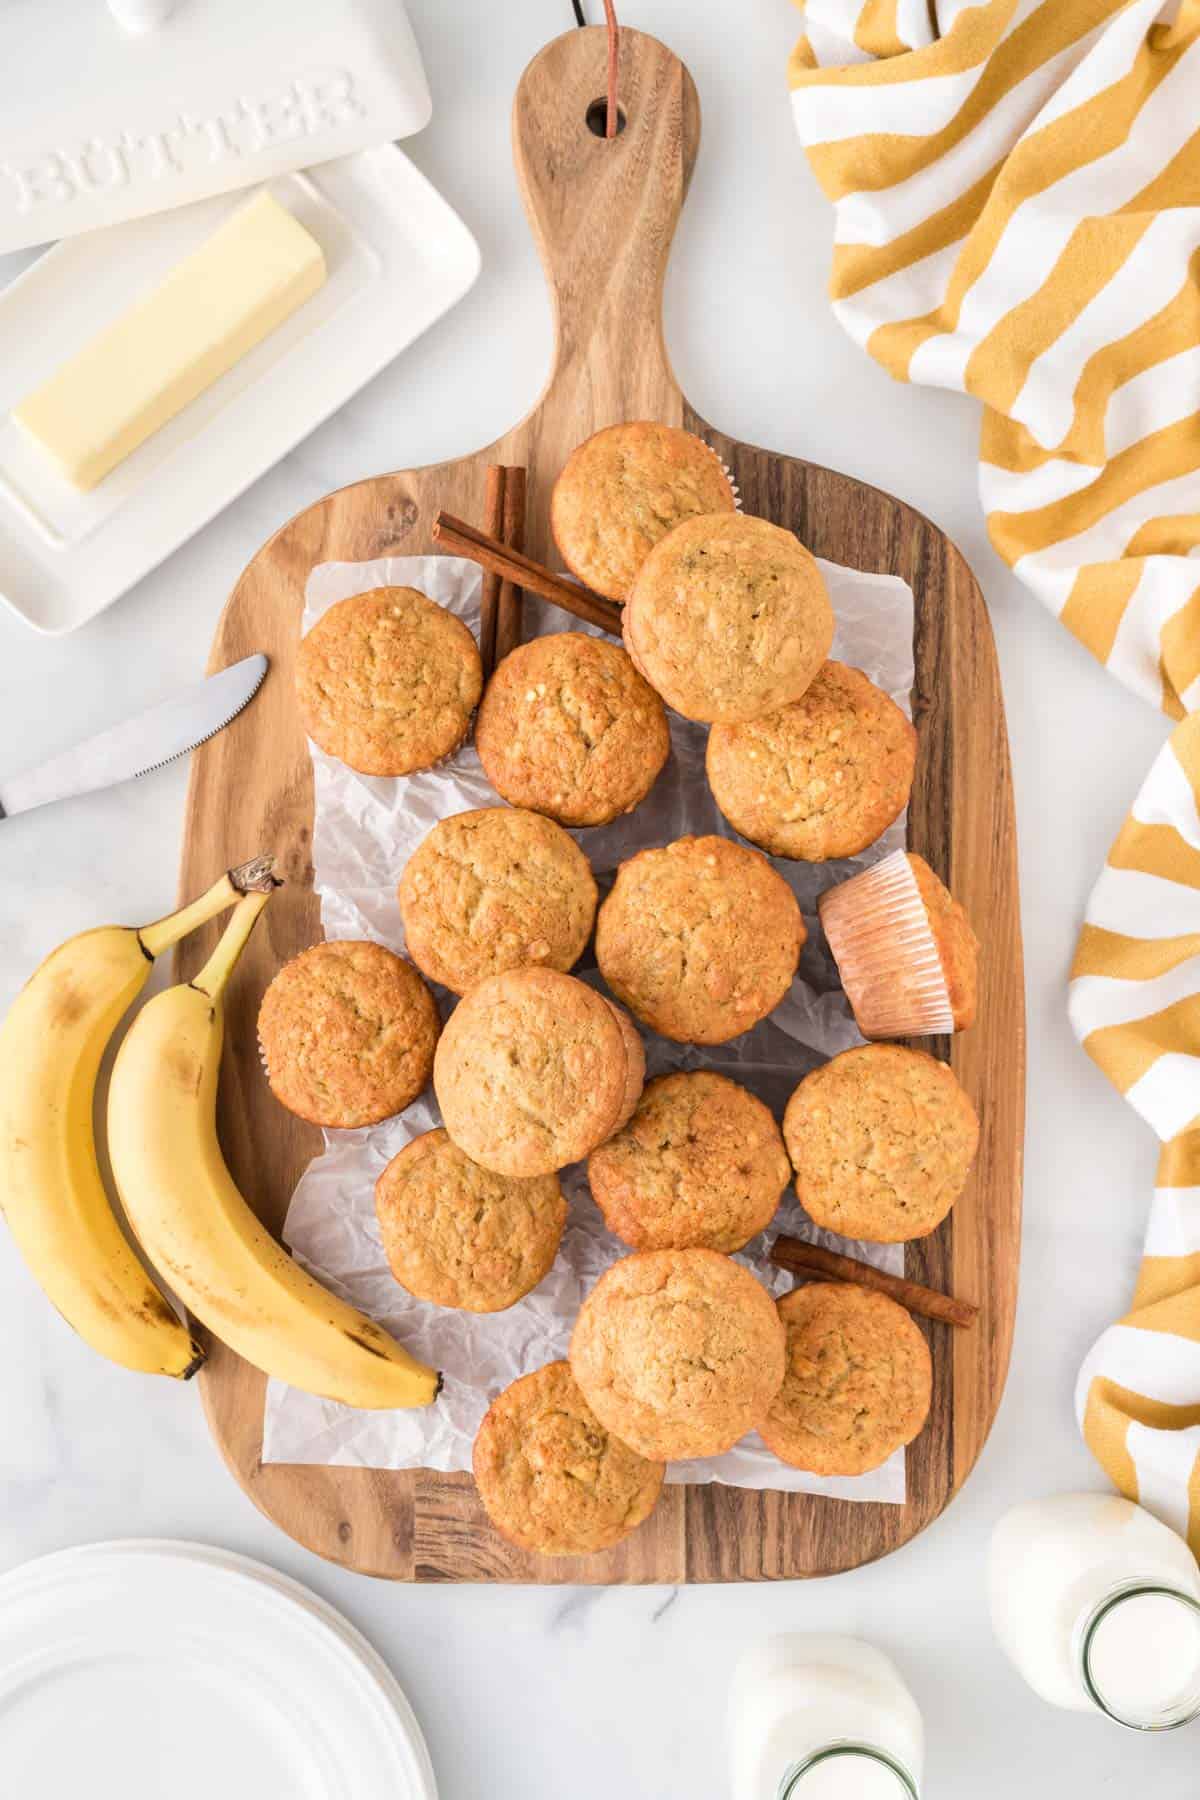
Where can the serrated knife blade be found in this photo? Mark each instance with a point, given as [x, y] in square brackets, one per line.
[140, 744]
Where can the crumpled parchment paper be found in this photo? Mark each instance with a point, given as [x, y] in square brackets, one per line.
[364, 831]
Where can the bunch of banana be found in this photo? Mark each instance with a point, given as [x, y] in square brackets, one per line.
[197, 1229]
[51, 1191]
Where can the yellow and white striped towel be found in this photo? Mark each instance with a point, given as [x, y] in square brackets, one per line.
[1016, 187]
[1135, 1003]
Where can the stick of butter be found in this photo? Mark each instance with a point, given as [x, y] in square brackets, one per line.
[137, 373]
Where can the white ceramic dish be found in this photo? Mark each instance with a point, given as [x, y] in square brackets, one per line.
[211, 95]
[153, 1667]
[398, 257]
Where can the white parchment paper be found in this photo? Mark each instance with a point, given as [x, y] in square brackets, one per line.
[365, 829]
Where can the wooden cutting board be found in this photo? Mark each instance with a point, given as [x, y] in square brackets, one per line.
[603, 214]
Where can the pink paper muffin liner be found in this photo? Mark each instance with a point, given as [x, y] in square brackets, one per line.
[884, 947]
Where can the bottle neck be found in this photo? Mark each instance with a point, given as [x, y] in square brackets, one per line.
[1138, 1656]
[815, 1775]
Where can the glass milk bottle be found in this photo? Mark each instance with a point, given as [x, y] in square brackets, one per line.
[823, 1718]
[1098, 1604]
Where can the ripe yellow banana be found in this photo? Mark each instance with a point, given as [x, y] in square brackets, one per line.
[197, 1229]
[51, 1190]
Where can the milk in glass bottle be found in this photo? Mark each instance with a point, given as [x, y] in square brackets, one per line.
[823, 1718]
[1097, 1603]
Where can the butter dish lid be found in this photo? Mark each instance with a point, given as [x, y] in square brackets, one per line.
[110, 109]
[155, 1667]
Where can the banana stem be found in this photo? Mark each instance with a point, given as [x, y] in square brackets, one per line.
[163, 933]
[220, 966]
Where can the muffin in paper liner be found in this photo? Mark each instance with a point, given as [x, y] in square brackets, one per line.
[734, 489]
[339, 730]
[881, 939]
[606, 574]
[348, 1103]
[729, 618]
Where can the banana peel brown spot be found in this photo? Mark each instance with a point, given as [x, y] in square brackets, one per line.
[223, 1308]
[158, 1312]
[105, 1306]
[67, 1004]
[180, 1275]
[184, 1069]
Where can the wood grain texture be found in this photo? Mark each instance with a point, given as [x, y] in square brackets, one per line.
[603, 215]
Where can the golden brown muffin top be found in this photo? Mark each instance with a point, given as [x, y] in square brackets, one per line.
[957, 945]
[635, 1065]
[347, 1031]
[858, 1383]
[622, 490]
[387, 681]
[701, 1162]
[459, 1235]
[569, 728]
[532, 1072]
[679, 1352]
[550, 1477]
[495, 889]
[728, 618]
[882, 1139]
[699, 938]
[820, 778]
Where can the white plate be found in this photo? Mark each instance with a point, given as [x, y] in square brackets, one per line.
[152, 1667]
[398, 257]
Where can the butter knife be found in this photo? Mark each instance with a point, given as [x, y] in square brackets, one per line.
[140, 744]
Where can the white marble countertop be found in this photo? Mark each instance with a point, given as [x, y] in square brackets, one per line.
[527, 1692]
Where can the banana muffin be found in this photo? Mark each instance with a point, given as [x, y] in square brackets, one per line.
[701, 1162]
[957, 945]
[728, 618]
[496, 889]
[820, 778]
[858, 1384]
[569, 728]
[624, 489]
[679, 1352]
[882, 1139]
[635, 1063]
[347, 1032]
[904, 948]
[700, 938]
[387, 681]
[534, 1070]
[550, 1477]
[457, 1234]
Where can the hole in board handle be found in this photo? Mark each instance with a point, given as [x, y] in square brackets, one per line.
[597, 117]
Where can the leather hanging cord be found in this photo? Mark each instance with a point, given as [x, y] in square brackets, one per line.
[614, 33]
[614, 40]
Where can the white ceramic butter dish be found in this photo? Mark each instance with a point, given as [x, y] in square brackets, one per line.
[397, 258]
[110, 111]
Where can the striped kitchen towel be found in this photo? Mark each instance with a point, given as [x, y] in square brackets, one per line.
[1016, 186]
[1135, 1004]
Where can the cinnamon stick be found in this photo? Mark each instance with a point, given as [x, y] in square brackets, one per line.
[509, 617]
[461, 539]
[810, 1259]
[489, 602]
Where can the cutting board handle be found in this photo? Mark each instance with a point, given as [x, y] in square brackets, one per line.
[604, 211]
